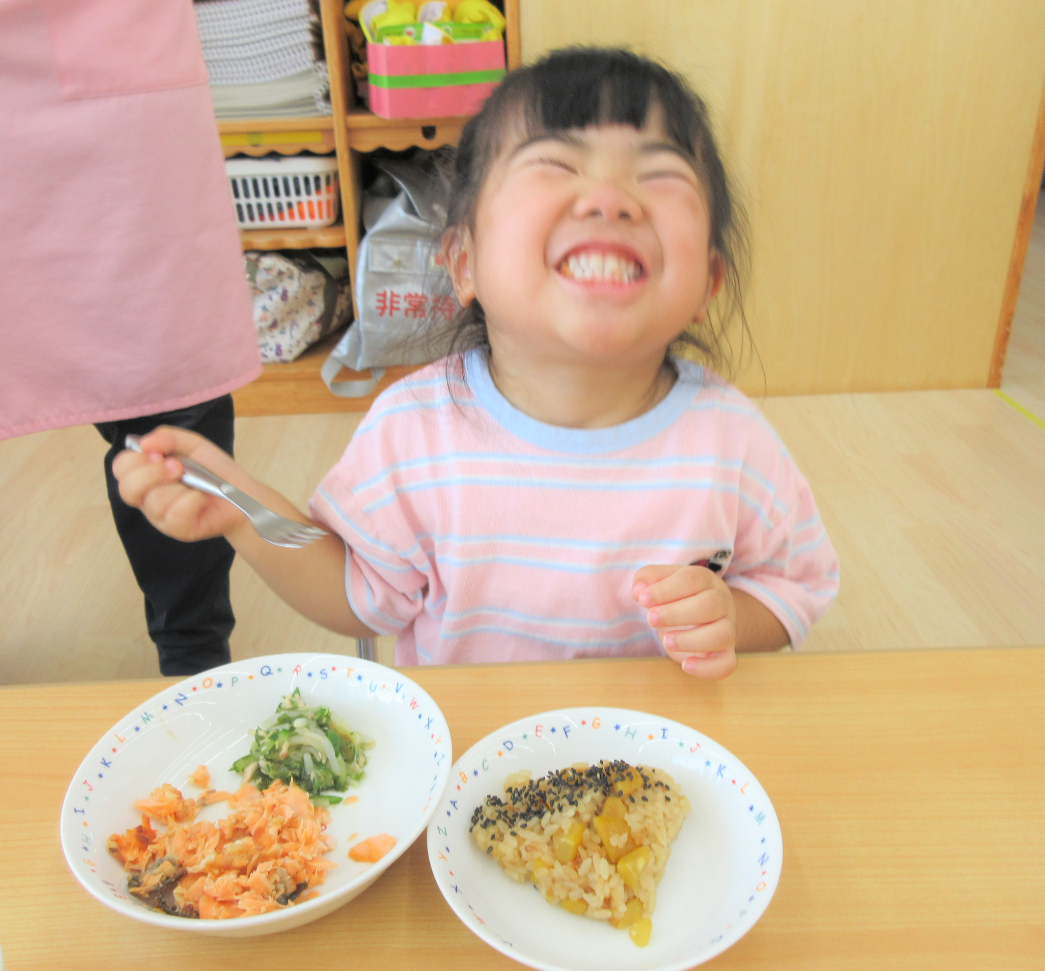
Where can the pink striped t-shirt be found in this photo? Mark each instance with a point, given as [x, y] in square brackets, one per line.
[477, 533]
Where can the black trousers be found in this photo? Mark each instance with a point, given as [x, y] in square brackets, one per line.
[186, 585]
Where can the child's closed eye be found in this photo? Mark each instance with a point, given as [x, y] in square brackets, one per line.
[554, 162]
[653, 174]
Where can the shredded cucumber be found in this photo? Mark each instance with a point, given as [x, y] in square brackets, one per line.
[307, 745]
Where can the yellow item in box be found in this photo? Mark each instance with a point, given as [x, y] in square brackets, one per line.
[353, 7]
[433, 11]
[478, 12]
[377, 17]
[399, 35]
[370, 12]
[367, 13]
[399, 12]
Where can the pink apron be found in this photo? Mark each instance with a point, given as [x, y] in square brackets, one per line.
[122, 289]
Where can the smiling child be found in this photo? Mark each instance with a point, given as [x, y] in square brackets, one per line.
[564, 484]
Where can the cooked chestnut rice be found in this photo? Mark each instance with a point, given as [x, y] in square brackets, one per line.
[532, 832]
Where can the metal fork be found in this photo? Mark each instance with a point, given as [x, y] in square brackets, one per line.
[270, 526]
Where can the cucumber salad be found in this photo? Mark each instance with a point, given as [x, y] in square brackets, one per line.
[309, 746]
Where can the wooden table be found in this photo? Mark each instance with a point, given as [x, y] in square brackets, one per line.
[910, 788]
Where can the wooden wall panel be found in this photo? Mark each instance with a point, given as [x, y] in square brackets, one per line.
[881, 149]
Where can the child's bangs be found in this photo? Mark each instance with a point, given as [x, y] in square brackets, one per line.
[583, 88]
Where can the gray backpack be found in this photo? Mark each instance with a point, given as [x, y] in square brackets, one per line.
[403, 293]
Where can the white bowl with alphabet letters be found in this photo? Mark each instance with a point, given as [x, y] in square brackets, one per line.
[723, 869]
[209, 720]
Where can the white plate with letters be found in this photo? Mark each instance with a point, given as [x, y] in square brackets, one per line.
[209, 719]
[724, 865]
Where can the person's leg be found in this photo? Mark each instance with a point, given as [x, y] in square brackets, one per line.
[186, 585]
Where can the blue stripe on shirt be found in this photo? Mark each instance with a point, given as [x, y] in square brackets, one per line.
[698, 545]
[558, 461]
[636, 617]
[393, 623]
[553, 461]
[553, 565]
[558, 642]
[571, 485]
[809, 546]
[413, 406]
[367, 537]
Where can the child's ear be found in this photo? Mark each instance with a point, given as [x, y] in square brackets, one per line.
[716, 273]
[457, 256]
[716, 277]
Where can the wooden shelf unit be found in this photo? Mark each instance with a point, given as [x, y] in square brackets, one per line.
[296, 388]
[233, 126]
[293, 238]
[350, 131]
[287, 136]
[366, 131]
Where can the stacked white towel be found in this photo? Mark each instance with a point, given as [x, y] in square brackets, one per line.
[264, 58]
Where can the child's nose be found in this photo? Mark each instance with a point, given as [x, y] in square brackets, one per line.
[606, 200]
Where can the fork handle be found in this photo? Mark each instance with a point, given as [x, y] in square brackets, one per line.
[197, 477]
[194, 475]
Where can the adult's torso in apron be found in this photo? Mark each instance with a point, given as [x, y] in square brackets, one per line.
[123, 285]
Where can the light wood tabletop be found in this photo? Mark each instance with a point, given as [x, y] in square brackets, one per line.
[910, 788]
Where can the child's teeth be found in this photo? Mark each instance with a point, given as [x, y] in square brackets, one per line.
[601, 266]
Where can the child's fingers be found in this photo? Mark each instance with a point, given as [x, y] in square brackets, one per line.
[150, 480]
[187, 514]
[682, 582]
[648, 575]
[127, 462]
[702, 608]
[168, 439]
[174, 508]
[139, 475]
[152, 484]
[720, 635]
[715, 667]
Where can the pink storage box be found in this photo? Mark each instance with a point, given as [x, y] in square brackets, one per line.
[432, 80]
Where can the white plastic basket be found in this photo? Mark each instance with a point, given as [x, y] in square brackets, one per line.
[290, 191]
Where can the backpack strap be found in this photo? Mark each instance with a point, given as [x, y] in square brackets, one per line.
[349, 389]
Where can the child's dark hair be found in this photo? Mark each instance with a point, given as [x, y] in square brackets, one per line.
[583, 86]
